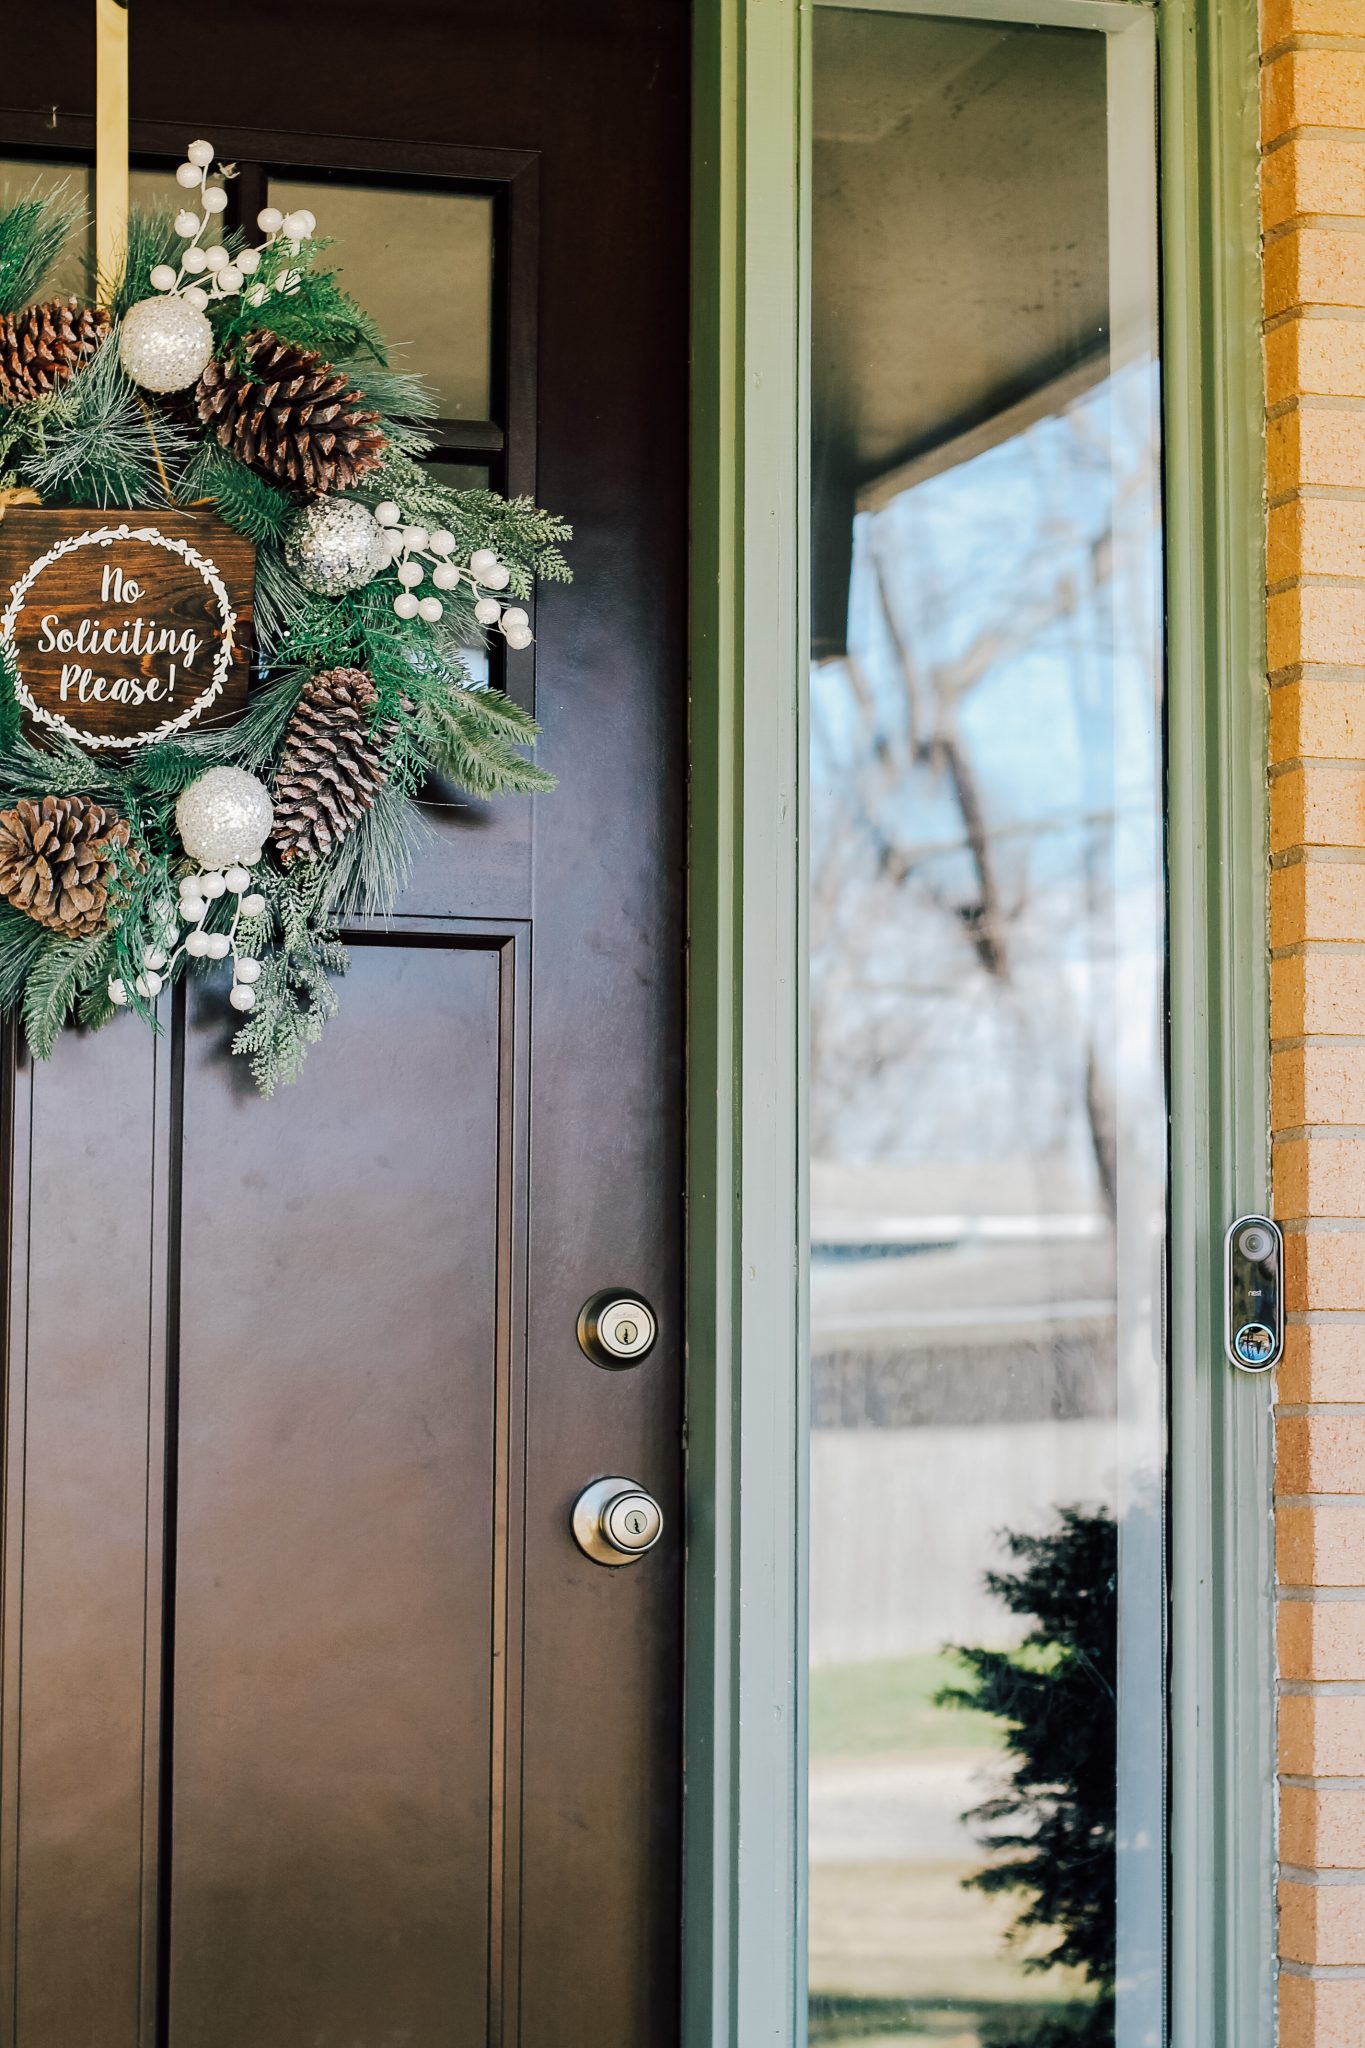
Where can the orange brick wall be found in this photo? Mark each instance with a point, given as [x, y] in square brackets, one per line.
[1313, 212]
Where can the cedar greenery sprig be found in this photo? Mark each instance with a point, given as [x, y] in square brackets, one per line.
[295, 998]
[528, 539]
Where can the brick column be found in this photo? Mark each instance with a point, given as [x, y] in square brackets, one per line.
[1313, 212]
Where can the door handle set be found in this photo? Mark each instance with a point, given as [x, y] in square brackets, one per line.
[615, 1521]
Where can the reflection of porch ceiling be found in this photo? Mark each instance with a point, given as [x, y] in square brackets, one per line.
[960, 283]
[960, 224]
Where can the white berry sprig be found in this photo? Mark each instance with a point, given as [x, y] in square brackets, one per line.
[207, 271]
[413, 550]
[197, 894]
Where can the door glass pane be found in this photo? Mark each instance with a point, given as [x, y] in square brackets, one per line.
[421, 262]
[148, 191]
[460, 476]
[987, 1121]
[19, 178]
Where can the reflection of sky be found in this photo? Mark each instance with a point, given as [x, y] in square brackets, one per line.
[1008, 608]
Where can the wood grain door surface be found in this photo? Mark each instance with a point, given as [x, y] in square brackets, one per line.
[316, 1729]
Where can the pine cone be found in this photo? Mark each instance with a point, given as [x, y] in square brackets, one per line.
[331, 765]
[57, 861]
[289, 414]
[42, 345]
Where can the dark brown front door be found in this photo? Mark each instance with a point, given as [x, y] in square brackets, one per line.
[317, 1730]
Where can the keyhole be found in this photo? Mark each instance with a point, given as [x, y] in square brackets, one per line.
[626, 1333]
[635, 1522]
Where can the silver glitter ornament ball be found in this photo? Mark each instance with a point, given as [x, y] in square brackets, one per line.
[335, 545]
[225, 817]
[164, 344]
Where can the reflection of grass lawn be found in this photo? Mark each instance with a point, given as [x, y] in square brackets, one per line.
[901, 1955]
[881, 2023]
[868, 1709]
[909, 1931]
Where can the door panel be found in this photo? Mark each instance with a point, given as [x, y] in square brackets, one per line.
[85, 1367]
[387, 1760]
[336, 1479]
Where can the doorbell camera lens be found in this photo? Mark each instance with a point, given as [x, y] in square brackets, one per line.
[1255, 1345]
[1256, 1243]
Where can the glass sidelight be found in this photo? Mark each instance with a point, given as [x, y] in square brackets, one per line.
[987, 990]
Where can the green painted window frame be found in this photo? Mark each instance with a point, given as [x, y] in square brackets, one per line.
[744, 1879]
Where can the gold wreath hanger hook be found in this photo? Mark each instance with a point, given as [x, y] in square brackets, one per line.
[111, 139]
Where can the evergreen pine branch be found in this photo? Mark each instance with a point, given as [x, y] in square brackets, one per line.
[59, 768]
[33, 232]
[393, 393]
[93, 439]
[314, 312]
[255, 739]
[371, 868]
[358, 630]
[164, 768]
[404, 401]
[22, 940]
[244, 500]
[11, 712]
[17, 428]
[96, 1007]
[151, 239]
[145, 897]
[491, 711]
[279, 604]
[468, 737]
[56, 977]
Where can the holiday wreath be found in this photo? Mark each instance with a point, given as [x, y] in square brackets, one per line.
[247, 403]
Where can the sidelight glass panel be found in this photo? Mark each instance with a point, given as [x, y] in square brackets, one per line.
[987, 989]
[388, 237]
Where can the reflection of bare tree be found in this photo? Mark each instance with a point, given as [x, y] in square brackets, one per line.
[1100, 1115]
[963, 869]
[941, 747]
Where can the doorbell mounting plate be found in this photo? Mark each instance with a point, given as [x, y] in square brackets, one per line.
[1253, 1311]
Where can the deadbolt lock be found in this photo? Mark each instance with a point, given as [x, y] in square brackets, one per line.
[615, 1521]
[616, 1329]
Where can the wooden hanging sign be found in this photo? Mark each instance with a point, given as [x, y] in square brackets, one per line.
[125, 627]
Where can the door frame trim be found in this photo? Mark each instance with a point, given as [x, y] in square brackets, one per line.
[1222, 1711]
[744, 1877]
[744, 1809]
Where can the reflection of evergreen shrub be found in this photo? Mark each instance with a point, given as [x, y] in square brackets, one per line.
[1051, 1833]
